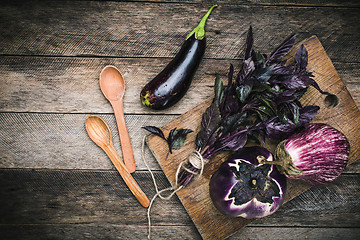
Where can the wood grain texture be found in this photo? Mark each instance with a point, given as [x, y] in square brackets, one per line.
[119, 231]
[195, 197]
[157, 29]
[318, 3]
[60, 141]
[71, 84]
[49, 197]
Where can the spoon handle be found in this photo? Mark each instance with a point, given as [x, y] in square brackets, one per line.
[126, 148]
[128, 179]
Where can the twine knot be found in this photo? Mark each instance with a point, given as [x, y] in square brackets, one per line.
[196, 160]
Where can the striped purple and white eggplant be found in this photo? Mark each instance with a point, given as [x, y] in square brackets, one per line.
[316, 155]
[242, 187]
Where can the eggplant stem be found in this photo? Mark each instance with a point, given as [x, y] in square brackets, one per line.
[204, 150]
[287, 166]
[200, 29]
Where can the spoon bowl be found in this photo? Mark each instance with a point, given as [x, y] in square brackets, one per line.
[100, 133]
[112, 85]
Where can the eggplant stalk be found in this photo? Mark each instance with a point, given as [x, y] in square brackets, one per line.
[199, 31]
[283, 161]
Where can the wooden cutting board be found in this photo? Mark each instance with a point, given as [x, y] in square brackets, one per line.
[195, 197]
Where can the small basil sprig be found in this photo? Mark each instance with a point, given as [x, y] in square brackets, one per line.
[175, 139]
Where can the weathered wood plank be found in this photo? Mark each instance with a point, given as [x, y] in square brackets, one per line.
[64, 196]
[59, 141]
[71, 85]
[136, 29]
[296, 233]
[318, 3]
[38, 84]
[29, 196]
[350, 74]
[118, 231]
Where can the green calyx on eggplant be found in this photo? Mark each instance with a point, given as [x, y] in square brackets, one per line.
[171, 84]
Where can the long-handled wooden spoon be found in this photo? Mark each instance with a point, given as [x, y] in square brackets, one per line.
[99, 132]
[112, 85]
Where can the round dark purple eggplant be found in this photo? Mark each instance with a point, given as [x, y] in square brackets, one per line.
[171, 84]
[242, 187]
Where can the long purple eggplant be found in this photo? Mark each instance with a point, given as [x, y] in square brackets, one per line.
[171, 84]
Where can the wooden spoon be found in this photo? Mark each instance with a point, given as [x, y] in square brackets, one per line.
[112, 85]
[99, 132]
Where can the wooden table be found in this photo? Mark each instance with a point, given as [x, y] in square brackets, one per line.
[55, 183]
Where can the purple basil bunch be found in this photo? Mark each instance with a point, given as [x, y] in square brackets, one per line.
[261, 101]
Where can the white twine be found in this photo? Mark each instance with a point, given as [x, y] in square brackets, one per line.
[195, 160]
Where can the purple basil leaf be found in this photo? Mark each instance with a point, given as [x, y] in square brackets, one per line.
[209, 124]
[279, 69]
[178, 138]
[264, 109]
[185, 131]
[243, 92]
[259, 59]
[283, 113]
[155, 130]
[276, 129]
[260, 88]
[282, 50]
[297, 81]
[295, 111]
[235, 143]
[301, 58]
[247, 68]
[230, 74]
[251, 103]
[286, 96]
[248, 64]
[302, 80]
[248, 45]
[307, 114]
[230, 104]
[260, 114]
[171, 135]
[268, 104]
[299, 93]
[232, 122]
[219, 91]
[316, 86]
[261, 75]
[288, 93]
[170, 139]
